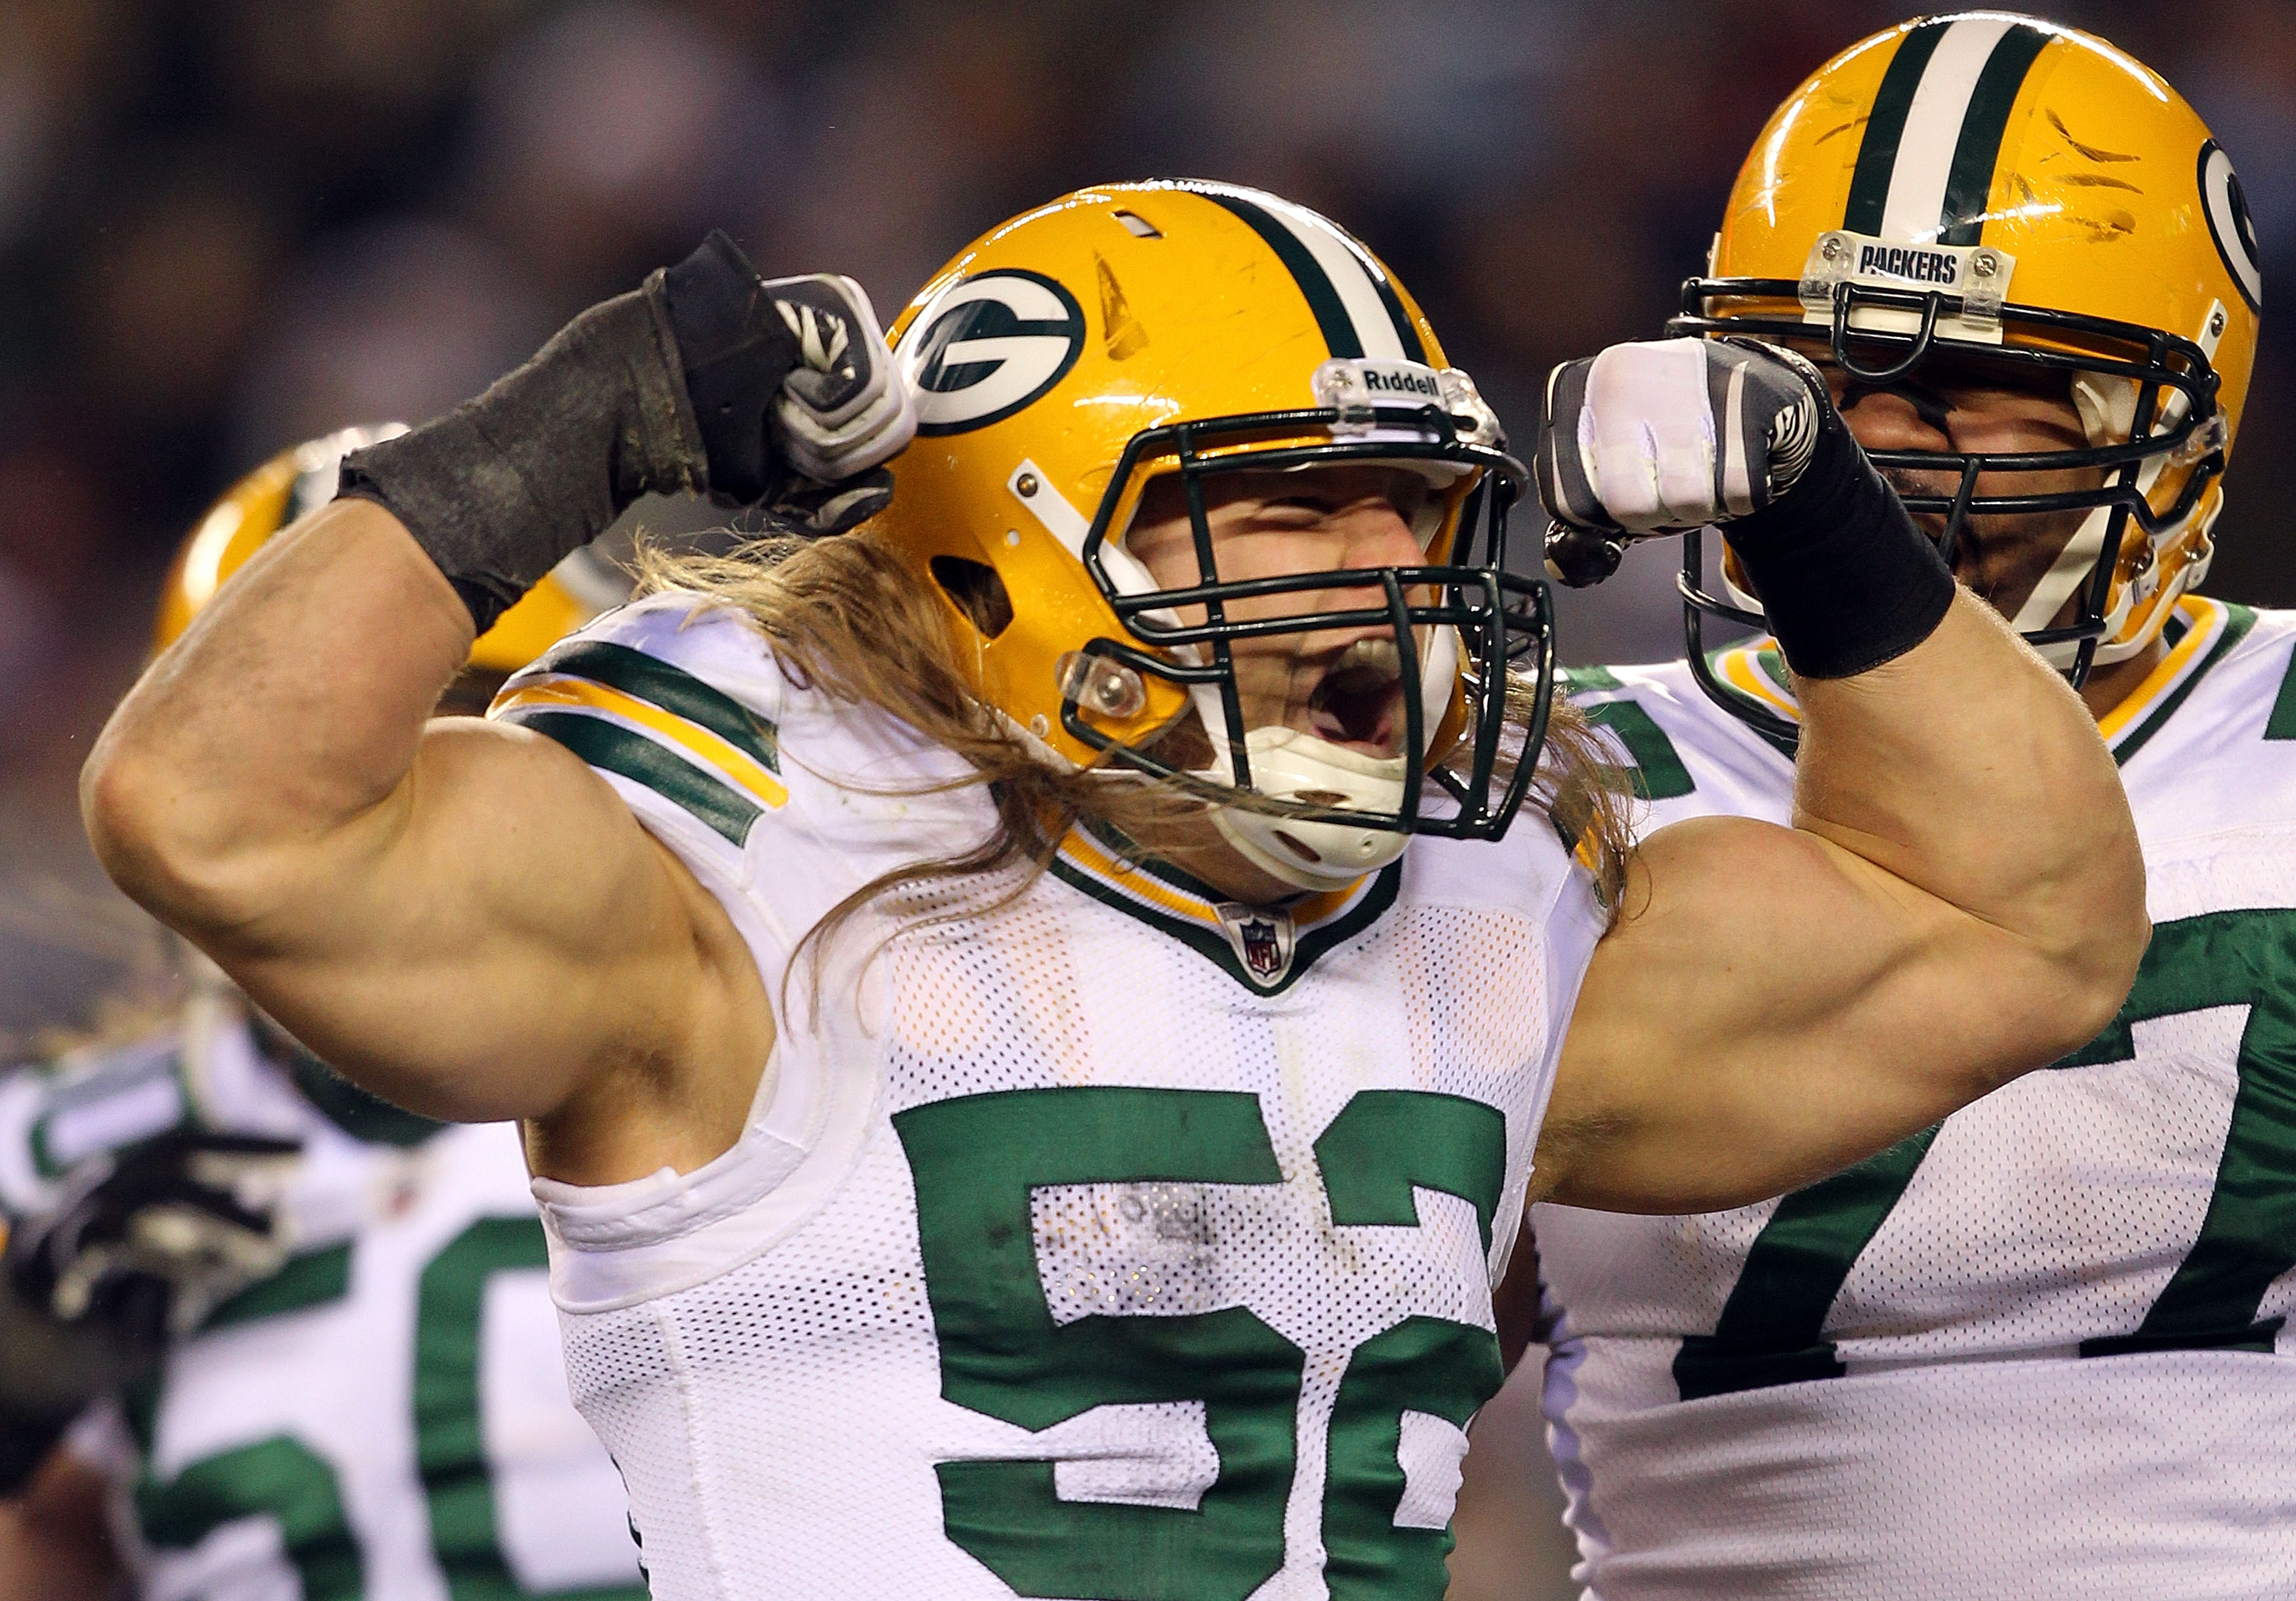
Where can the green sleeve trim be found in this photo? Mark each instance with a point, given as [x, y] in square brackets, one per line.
[676, 691]
[614, 748]
[364, 1117]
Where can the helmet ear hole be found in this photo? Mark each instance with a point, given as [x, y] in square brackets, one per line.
[977, 591]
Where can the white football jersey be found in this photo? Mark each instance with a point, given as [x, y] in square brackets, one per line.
[2038, 1350]
[387, 1419]
[1112, 1241]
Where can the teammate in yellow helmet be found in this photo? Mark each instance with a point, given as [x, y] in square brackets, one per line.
[1032, 1026]
[2038, 1349]
[300, 480]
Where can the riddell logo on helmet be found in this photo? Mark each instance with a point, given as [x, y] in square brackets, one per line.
[1398, 381]
[1913, 264]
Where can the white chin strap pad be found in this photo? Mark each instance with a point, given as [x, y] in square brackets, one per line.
[1290, 765]
[2108, 414]
[1287, 765]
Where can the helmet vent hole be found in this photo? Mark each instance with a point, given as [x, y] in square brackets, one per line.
[1296, 847]
[977, 590]
[1138, 226]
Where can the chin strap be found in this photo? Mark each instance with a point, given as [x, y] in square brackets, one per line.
[2108, 414]
[1290, 765]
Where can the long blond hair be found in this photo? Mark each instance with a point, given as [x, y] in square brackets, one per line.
[849, 618]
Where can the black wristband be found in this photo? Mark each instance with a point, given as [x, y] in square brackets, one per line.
[502, 488]
[1846, 579]
[50, 1372]
[736, 350]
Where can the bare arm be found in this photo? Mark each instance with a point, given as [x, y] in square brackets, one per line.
[54, 1543]
[459, 915]
[1960, 899]
[462, 916]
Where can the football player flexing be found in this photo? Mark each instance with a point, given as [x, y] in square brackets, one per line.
[327, 1319]
[2038, 1349]
[1030, 1038]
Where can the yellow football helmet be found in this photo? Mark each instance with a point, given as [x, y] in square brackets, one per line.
[1064, 360]
[302, 479]
[2013, 192]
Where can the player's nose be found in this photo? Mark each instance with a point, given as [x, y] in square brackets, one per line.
[1886, 420]
[1374, 533]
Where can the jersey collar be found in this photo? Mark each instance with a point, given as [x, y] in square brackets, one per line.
[2200, 633]
[1265, 949]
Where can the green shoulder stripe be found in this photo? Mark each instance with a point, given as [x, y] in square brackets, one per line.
[1586, 680]
[674, 690]
[1659, 774]
[614, 748]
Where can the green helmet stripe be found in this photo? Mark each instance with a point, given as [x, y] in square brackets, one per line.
[1877, 153]
[1339, 329]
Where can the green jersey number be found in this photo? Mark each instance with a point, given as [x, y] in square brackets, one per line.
[284, 1478]
[1658, 773]
[1771, 1327]
[977, 1158]
[280, 1476]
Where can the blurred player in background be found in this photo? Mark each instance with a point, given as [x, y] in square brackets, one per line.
[260, 1333]
[2040, 1349]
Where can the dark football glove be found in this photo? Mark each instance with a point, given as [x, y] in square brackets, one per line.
[150, 1241]
[1660, 436]
[144, 1244]
[790, 376]
[707, 378]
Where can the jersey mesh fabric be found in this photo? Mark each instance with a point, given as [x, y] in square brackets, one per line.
[782, 1422]
[1969, 1448]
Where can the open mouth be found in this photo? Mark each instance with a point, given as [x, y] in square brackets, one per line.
[1358, 703]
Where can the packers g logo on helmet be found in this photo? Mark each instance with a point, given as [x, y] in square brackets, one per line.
[2226, 209]
[990, 345]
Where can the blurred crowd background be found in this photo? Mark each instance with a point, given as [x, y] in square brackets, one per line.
[229, 224]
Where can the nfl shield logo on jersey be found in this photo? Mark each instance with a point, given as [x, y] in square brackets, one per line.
[1261, 939]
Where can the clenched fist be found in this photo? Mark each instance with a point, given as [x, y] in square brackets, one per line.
[1663, 436]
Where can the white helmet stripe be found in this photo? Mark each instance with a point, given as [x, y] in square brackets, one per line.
[1350, 276]
[1932, 133]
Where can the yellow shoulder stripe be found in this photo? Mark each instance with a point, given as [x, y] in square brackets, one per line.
[696, 740]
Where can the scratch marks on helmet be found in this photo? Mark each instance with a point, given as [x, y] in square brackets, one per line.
[1121, 331]
[2094, 152]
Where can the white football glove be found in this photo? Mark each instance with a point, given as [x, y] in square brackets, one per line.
[1664, 436]
[843, 408]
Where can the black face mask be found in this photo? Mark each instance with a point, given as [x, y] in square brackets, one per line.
[2036, 342]
[1499, 617]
